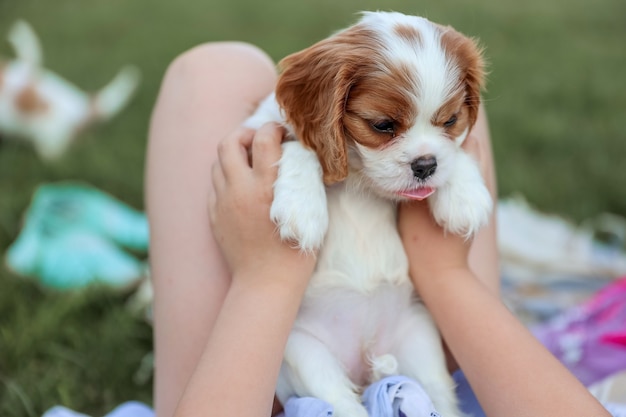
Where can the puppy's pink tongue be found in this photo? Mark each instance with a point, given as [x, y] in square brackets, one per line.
[418, 193]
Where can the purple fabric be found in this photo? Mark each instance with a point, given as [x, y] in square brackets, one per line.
[307, 407]
[467, 399]
[398, 396]
[394, 396]
[590, 339]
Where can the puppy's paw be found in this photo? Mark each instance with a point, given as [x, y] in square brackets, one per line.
[299, 208]
[462, 208]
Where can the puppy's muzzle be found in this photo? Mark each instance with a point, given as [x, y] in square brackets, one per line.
[424, 166]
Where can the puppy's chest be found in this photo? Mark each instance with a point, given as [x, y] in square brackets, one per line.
[362, 249]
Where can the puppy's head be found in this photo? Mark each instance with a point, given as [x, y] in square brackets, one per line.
[391, 98]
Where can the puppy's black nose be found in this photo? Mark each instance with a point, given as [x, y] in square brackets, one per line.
[424, 166]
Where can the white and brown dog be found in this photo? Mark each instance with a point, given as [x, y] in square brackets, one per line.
[379, 112]
[43, 108]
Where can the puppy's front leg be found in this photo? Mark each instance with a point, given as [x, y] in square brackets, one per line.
[299, 208]
[464, 204]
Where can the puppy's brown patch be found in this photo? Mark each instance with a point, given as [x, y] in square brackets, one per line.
[380, 96]
[468, 56]
[29, 101]
[408, 33]
[455, 108]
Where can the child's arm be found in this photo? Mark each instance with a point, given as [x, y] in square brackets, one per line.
[511, 373]
[238, 369]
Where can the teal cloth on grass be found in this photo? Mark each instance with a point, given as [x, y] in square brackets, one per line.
[75, 235]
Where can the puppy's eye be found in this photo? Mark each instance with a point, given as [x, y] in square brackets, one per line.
[385, 126]
[451, 121]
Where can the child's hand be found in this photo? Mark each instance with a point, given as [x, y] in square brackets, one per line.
[243, 178]
[430, 249]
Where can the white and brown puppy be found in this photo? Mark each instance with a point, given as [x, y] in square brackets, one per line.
[43, 108]
[379, 112]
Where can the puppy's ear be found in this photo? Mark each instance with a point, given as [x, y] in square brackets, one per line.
[312, 90]
[469, 56]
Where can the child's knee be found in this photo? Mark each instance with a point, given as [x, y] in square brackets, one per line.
[209, 61]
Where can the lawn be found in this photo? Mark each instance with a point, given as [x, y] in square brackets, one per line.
[556, 99]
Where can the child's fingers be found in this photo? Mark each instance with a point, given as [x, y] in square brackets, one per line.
[266, 149]
[232, 153]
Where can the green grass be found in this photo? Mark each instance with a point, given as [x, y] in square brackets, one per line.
[556, 99]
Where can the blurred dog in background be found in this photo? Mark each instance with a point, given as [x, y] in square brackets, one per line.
[39, 106]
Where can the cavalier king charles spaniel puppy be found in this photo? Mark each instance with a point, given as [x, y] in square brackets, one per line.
[377, 114]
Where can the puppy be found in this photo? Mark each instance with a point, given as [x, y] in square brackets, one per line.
[378, 113]
[39, 106]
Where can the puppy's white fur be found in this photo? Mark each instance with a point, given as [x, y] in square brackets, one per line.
[41, 107]
[360, 319]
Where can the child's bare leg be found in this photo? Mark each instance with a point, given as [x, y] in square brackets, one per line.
[206, 93]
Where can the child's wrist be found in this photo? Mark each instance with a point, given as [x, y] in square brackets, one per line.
[273, 281]
[432, 277]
